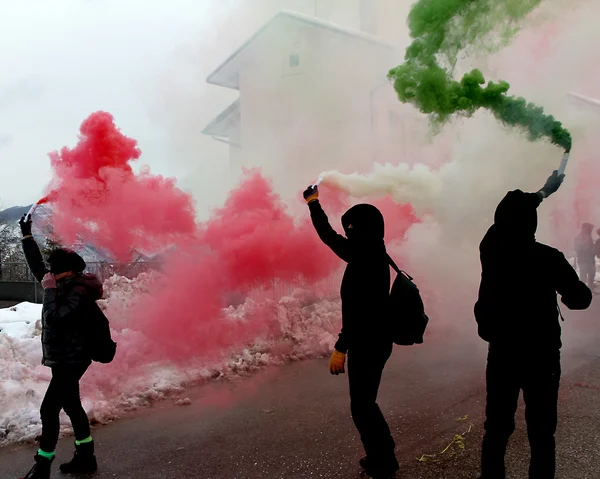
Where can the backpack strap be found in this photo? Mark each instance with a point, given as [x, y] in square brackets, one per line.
[396, 269]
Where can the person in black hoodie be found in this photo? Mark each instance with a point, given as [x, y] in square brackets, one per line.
[68, 299]
[518, 315]
[365, 334]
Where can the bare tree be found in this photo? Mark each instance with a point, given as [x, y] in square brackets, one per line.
[12, 259]
[51, 240]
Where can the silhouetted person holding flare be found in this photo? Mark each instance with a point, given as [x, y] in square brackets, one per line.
[518, 315]
[69, 302]
[365, 334]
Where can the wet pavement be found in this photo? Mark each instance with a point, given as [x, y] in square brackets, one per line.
[294, 422]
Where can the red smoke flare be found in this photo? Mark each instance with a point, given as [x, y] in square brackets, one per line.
[49, 198]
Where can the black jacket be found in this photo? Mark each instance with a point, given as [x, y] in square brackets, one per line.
[65, 313]
[366, 284]
[517, 305]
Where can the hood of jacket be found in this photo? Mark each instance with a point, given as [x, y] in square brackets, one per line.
[516, 218]
[364, 223]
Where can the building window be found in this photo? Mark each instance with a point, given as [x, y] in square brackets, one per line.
[294, 57]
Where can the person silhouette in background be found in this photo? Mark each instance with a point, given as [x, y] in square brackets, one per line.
[365, 334]
[69, 296]
[586, 255]
[517, 314]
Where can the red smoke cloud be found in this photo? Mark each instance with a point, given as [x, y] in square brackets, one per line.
[250, 242]
[97, 196]
[398, 218]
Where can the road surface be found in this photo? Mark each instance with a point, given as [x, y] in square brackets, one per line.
[293, 422]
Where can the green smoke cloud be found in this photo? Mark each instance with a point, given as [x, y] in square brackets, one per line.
[441, 30]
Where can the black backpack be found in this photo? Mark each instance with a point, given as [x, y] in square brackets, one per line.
[406, 309]
[101, 346]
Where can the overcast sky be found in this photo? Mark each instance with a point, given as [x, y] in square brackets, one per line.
[143, 61]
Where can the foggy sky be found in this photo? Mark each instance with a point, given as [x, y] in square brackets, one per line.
[146, 62]
[64, 59]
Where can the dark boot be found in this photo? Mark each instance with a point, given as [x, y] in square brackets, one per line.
[380, 469]
[84, 461]
[41, 469]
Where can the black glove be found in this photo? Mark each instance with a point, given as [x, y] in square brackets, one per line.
[311, 194]
[552, 183]
[25, 225]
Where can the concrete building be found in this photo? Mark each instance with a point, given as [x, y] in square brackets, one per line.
[313, 94]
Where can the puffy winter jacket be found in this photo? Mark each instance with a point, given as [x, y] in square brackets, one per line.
[66, 312]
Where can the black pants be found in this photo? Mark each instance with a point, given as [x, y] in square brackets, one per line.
[63, 393]
[365, 367]
[539, 378]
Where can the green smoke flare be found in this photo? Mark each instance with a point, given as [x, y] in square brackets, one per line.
[441, 30]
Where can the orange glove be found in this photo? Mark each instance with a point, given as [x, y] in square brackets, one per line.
[336, 363]
[311, 194]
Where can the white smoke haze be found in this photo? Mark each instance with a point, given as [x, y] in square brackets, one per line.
[370, 146]
[453, 180]
[339, 116]
[418, 184]
[486, 159]
[292, 138]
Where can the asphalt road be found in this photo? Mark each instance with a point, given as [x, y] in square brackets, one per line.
[294, 422]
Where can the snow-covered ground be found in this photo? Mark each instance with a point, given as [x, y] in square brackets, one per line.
[308, 326]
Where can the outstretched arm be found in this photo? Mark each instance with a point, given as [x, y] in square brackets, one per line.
[32, 251]
[338, 243]
[552, 185]
[575, 294]
[340, 246]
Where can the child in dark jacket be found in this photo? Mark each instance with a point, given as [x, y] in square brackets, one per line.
[69, 299]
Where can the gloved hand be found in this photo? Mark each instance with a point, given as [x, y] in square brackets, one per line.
[25, 224]
[49, 281]
[336, 363]
[311, 194]
[552, 183]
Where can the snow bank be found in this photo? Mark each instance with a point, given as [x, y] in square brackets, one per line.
[306, 326]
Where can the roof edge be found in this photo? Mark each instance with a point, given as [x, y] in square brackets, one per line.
[306, 19]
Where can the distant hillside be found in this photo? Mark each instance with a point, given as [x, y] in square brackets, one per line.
[14, 213]
[42, 227]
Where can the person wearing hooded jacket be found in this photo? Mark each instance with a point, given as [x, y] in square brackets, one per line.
[518, 315]
[365, 335]
[69, 299]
